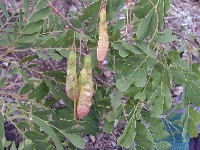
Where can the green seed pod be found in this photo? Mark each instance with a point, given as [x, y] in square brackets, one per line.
[86, 89]
[72, 89]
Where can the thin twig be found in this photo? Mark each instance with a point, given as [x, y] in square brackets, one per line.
[105, 84]
[192, 42]
[6, 23]
[63, 17]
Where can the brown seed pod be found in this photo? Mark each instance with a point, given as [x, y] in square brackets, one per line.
[72, 79]
[128, 3]
[86, 89]
[103, 43]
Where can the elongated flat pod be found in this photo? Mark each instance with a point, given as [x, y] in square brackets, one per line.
[88, 65]
[86, 93]
[72, 88]
[103, 43]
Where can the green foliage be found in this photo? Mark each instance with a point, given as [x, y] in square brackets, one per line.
[144, 75]
[47, 129]
[2, 132]
[128, 135]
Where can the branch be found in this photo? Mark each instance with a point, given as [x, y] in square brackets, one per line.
[193, 43]
[103, 83]
[63, 17]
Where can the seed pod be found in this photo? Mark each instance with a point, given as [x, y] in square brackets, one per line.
[128, 3]
[88, 65]
[86, 89]
[103, 43]
[72, 79]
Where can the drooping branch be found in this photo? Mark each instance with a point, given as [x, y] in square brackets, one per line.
[63, 17]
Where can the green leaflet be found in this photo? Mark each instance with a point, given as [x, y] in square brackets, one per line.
[148, 26]
[33, 135]
[163, 145]
[124, 83]
[25, 89]
[128, 135]
[192, 129]
[40, 14]
[42, 55]
[48, 42]
[183, 65]
[30, 146]
[194, 115]
[165, 91]
[192, 91]
[116, 99]
[90, 125]
[90, 11]
[142, 139]
[152, 96]
[140, 77]
[28, 58]
[75, 23]
[26, 6]
[69, 125]
[141, 96]
[133, 48]
[165, 36]
[52, 89]
[57, 75]
[3, 8]
[41, 4]
[143, 143]
[185, 131]
[59, 42]
[2, 132]
[75, 139]
[108, 126]
[161, 136]
[64, 52]
[26, 38]
[33, 27]
[110, 116]
[123, 52]
[132, 91]
[113, 7]
[167, 5]
[157, 108]
[190, 123]
[177, 75]
[4, 42]
[143, 8]
[40, 144]
[3, 82]
[145, 48]
[159, 97]
[47, 129]
[54, 55]
[160, 12]
[39, 92]
[166, 77]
